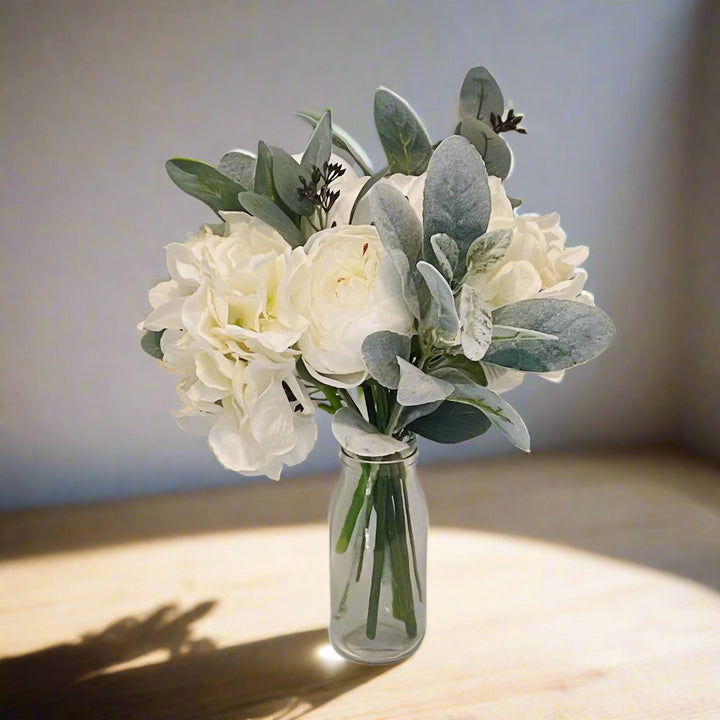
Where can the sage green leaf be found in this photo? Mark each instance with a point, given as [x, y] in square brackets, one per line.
[582, 332]
[364, 190]
[488, 250]
[476, 322]
[446, 253]
[239, 165]
[406, 143]
[495, 151]
[205, 183]
[358, 436]
[456, 198]
[286, 172]
[417, 388]
[380, 351]
[440, 313]
[400, 232]
[480, 95]
[506, 332]
[319, 147]
[342, 140]
[266, 210]
[500, 413]
[263, 171]
[450, 423]
[473, 370]
[150, 343]
[515, 202]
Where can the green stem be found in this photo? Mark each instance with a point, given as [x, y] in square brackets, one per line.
[380, 494]
[408, 520]
[358, 499]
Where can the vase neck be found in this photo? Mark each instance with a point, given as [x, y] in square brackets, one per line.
[406, 456]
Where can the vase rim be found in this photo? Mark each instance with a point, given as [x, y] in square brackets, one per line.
[404, 456]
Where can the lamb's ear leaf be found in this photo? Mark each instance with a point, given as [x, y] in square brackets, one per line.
[358, 436]
[439, 311]
[456, 199]
[451, 422]
[488, 250]
[342, 140]
[494, 150]
[480, 95]
[500, 413]
[286, 172]
[581, 333]
[476, 322]
[403, 136]
[418, 388]
[266, 210]
[380, 351]
[319, 147]
[206, 183]
[150, 343]
[446, 254]
[239, 165]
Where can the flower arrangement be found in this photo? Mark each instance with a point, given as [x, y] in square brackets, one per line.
[400, 301]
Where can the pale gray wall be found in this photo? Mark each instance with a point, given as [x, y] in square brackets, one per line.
[96, 95]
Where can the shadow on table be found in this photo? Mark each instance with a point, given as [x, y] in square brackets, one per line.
[281, 677]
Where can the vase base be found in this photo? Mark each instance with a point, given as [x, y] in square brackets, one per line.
[391, 645]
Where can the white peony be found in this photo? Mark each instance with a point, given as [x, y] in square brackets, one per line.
[352, 290]
[230, 327]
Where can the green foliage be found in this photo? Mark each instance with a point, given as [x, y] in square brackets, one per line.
[406, 143]
[446, 254]
[263, 171]
[286, 173]
[365, 189]
[358, 436]
[205, 183]
[439, 313]
[150, 343]
[480, 96]
[488, 250]
[417, 388]
[582, 332]
[476, 321]
[265, 209]
[342, 140]
[456, 197]
[493, 148]
[380, 351]
[239, 166]
[451, 422]
[319, 148]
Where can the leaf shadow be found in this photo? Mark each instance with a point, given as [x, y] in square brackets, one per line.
[280, 677]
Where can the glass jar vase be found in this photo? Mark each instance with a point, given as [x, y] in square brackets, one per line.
[378, 558]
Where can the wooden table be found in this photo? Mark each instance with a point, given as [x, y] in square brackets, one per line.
[560, 588]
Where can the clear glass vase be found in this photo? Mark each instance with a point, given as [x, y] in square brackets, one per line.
[378, 553]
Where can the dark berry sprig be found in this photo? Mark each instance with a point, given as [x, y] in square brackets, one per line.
[509, 124]
[316, 190]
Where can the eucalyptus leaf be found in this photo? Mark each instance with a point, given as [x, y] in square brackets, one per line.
[414, 412]
[515, 202]
[150, 343]
[480, 95]
[476, 321]
[358, 436]
[488, 250]
[406, 143]
[205, 183]
[417, 388]
[263, 171]
[319, 147]
[265, 209]
[239, 165]
[456, 198]
[342, 140]
[451, 422]
[582, 332]
[440, 313]
[380, 351]
[472, 369]
[500, 413]
[286, 172]
[495, 151]
[446, 253]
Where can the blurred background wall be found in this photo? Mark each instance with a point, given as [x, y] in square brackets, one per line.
[97, 95]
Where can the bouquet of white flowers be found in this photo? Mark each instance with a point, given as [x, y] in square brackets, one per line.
[402, 302]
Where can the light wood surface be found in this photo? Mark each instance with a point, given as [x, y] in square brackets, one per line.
[560, 588]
